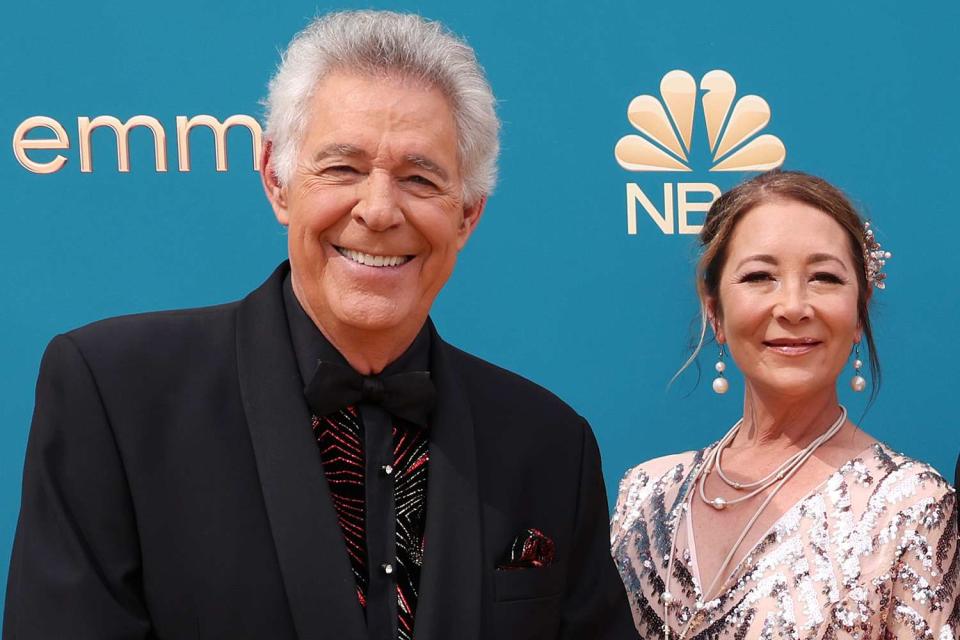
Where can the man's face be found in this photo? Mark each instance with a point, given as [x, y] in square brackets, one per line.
[374, 209]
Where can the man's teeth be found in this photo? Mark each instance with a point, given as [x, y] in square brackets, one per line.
[371, 260]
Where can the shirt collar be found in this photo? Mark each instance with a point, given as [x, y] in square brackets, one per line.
[310, 345]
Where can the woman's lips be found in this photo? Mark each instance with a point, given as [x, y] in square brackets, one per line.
[792, 346]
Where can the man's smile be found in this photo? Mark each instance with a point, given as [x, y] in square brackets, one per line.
[370, 260]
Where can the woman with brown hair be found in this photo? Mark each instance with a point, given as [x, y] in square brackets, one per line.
[796, 523]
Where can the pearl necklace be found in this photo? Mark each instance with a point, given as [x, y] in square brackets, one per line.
[776, 478]
[713, 460]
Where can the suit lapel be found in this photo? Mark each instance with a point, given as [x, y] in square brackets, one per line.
[450, 583]
[313, 559]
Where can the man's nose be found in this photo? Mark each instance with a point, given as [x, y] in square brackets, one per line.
[793, 304]
[378, 208]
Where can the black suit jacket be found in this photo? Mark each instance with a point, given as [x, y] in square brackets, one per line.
[173, 489]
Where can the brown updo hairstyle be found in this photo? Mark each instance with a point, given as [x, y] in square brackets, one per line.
[796, 186]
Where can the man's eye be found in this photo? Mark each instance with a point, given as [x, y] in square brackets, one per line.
[420, 180]
[756, 276]
[341, 168]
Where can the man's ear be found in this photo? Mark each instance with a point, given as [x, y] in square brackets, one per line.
[471, 217]
[276, 193]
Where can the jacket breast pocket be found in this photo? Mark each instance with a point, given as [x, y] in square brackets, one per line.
[527, 603]
[527, 584]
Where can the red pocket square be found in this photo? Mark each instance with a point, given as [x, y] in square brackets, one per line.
[531, 549]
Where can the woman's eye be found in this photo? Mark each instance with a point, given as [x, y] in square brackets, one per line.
[826, 276]
[756, 276]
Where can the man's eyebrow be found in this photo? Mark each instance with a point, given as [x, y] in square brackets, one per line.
[338, 149]
[344, 150]
[426, 164]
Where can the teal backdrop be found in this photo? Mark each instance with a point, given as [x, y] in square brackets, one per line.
[552, 285]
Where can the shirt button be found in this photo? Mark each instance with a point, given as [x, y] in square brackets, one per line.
[387, 568]
[387, 469]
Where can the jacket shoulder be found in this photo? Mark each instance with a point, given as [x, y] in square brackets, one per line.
[152, 320]
[139, 339]
[494, 381]
[492, 386]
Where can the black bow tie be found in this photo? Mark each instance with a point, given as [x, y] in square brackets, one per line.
[409, 396]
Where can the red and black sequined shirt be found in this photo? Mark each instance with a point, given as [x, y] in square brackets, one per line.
[376, 468]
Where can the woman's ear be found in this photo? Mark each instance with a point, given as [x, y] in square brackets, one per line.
[715, 320]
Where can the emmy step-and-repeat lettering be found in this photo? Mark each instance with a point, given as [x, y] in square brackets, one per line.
[44, 133]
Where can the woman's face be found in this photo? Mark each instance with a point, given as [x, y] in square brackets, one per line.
[788, 299]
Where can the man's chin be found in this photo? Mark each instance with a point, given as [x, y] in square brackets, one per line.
[378, 315]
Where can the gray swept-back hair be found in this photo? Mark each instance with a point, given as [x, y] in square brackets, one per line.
[377, 43]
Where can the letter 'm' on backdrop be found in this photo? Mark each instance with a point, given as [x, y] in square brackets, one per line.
[129, 184]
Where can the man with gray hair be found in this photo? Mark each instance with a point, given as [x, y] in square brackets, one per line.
[314, 461]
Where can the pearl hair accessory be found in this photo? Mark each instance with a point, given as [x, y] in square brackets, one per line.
[720, 383]
[776, 479]
[874, 258]
[858, 383]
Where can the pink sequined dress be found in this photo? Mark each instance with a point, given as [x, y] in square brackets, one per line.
[870, 554]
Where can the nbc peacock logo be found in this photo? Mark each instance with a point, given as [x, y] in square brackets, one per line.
[667, 126]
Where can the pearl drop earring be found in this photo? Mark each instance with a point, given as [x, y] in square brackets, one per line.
[720, 383]
[858, 383]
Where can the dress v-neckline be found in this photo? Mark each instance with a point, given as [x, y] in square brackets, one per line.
[735, 570]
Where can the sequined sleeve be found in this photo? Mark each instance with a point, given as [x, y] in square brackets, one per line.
[625, 499]
[925, 580]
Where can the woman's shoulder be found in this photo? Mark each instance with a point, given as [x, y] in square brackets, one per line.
[673, 465]
[656, 475]
[640, 483]
[892, 465]
[903, 486]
